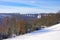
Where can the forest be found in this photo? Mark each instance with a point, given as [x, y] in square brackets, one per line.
[16, 24]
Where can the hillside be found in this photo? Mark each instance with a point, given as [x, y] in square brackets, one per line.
[50, 33]
[20, 24]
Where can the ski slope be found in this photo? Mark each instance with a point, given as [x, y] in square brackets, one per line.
[50, 33]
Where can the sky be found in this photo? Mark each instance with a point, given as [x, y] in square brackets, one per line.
[29, 6]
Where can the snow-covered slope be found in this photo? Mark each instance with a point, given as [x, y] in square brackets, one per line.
[55, 27]
[51, 33]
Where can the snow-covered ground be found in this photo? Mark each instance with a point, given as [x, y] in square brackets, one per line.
[50, 33]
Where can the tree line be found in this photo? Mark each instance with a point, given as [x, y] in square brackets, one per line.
[19, 26]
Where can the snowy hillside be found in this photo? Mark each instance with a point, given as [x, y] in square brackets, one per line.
[50, 33]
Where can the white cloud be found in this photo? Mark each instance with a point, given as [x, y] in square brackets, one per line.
[37, 3]
[10, 9]
[22, 10]
[42, 7]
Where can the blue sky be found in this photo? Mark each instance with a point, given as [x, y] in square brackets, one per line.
[30, 6]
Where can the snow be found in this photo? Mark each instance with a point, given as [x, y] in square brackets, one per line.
[50, 33]
[39, 16]
[55, 27]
